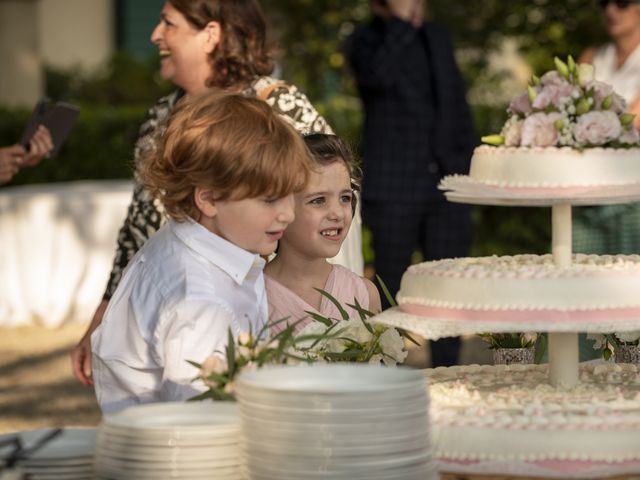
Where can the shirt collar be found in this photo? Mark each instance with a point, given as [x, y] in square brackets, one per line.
[233, 260]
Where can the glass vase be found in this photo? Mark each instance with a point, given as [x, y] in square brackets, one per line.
[627, 354]
[509, 356]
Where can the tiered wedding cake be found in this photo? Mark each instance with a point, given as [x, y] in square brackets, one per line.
[567, 141]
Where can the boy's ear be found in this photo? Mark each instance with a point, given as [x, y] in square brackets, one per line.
[205, 201]
[213, 36]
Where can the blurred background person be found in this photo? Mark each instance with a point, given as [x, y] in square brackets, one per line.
[417, 129]
[15, 157]
[613, 229]
[202, 44]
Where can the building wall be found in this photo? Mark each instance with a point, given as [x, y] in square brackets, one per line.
[20, 73]
[76, 32]
[60, 33]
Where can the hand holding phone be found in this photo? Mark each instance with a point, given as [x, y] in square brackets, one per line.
[58, 119]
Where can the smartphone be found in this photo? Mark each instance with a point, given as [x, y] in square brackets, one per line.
[58, 118]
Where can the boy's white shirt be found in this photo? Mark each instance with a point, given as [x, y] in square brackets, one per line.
[176, 301]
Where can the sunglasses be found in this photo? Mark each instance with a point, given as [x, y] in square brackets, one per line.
[621, 4]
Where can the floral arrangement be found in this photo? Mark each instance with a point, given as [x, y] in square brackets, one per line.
[510, 340]
[567, 107]
[323, 340]
[607, 342]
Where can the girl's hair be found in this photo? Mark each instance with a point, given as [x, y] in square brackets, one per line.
[237, 146]
[242, 52]
[327, 149]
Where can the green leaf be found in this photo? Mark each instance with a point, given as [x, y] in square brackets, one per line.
[541, 347]
[582, 106]
[364, 314]
[606, 103]
[627, 118]
[571, 63]
[531, 93]
[559, 124]
[404, 334]
[222, 379]
[386, 292]
[562, 67]
[231, 353]
[372, 349]
[214, 394]
[606, 353]
[332, 299]
[535, 80]
[350, 354]
[319, 318]
[195, 364]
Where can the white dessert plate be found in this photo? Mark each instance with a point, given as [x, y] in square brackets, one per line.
[164, 440]
[361, 380]
[166, 418]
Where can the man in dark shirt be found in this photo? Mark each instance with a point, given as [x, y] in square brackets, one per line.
[417, 129]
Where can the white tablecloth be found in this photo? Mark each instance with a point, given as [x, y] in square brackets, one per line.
[57, 243]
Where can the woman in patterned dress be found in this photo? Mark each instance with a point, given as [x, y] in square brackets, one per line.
[203, 44]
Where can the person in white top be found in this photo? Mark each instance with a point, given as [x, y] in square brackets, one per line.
[225, 171]
[613, 229]
[618, 62]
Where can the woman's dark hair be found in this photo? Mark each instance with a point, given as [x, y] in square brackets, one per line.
[327, 149]
[242, 53]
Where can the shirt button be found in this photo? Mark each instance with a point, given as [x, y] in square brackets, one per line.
[432, 167]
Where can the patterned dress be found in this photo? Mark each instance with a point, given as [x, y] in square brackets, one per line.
[145, 214]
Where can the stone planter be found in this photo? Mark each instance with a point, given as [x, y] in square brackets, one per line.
[627, 354]
[508, 356]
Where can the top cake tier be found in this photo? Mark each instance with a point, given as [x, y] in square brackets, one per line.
[555, 167]
[568, 137]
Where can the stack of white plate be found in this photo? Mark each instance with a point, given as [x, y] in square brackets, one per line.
[69, 455]
[170, 440]
[335, 422]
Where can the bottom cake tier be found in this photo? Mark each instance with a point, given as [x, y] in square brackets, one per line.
[511, 413]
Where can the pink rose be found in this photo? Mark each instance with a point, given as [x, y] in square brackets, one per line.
[551, 94]
[512, 132]
[538, 130]
[597, 128]
[630, 136]
[520, 105]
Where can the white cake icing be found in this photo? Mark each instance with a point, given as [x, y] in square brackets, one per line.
[512, 413]
[524, 282]
[553, 167]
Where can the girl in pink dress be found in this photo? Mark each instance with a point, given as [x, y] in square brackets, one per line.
[323, 214]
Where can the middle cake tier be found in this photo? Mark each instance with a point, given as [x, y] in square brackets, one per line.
[597, 293]
[524, 282]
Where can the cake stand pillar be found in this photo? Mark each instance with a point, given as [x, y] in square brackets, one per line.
[563, 347]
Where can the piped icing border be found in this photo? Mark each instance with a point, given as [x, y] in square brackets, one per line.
[597, 420]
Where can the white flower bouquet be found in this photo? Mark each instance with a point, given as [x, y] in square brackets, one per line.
[323, 340]
[607, 342]
[567, 107]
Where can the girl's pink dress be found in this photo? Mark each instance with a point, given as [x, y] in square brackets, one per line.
[342, 283]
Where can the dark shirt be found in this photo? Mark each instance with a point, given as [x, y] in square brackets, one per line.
[417, 122]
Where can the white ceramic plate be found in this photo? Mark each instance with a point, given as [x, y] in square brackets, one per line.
[328, 378]
[186, 417]
[167, 440]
